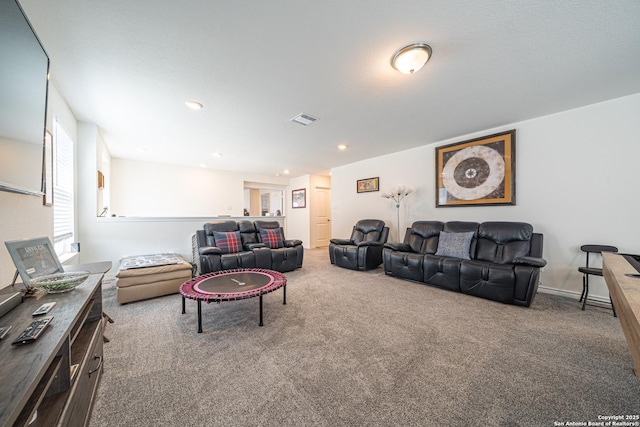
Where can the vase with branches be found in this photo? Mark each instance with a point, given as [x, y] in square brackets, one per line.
[397, 196]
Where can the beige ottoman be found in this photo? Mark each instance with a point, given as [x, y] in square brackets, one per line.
[133, 284]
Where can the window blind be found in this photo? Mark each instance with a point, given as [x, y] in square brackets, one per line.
[63, 218]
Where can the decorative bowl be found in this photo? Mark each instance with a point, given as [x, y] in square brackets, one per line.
[59, 282]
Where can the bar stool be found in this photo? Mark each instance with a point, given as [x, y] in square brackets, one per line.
[587, 271]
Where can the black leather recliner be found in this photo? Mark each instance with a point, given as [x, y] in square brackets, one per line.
[284, 258]
[363, 251]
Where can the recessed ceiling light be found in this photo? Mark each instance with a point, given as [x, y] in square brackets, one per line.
[286, 171]
[194, 105]
[217, 155]
[342, 147]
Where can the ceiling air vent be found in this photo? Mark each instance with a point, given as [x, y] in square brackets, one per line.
[304, 119]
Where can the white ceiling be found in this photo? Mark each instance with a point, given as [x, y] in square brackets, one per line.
[129, 66]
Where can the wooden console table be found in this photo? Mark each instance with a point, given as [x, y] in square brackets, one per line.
[39, 386]
[625, 293]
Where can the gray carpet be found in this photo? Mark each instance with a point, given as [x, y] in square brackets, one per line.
[362, 349]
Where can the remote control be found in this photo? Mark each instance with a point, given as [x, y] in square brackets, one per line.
[44, 309]
[4, 331]
[33, 331]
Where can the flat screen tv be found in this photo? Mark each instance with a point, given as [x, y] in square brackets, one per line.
[24, 70]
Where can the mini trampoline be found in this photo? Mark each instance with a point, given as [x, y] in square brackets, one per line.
[232, 285]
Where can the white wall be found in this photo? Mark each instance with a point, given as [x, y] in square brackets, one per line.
[103, 163]
[298, 219]
[160, 190]
[23, 216]
[153, 223]
[576, 182]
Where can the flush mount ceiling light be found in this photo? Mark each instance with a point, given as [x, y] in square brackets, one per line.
[194, 105]
[411, 58]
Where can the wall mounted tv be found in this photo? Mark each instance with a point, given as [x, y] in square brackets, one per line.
[24, 69]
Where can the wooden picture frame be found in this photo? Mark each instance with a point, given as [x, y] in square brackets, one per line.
[477, 172]
[299, 198]
[368, 185]
[100, 180]
[47, 169]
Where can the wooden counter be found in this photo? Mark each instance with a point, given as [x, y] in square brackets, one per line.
[625, 293]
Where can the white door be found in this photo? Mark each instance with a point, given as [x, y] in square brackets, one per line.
[322, 220]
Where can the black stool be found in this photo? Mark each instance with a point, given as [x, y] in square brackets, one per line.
[586, 271]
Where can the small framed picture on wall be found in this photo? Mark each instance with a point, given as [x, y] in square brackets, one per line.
[368, 184]
[299, 198]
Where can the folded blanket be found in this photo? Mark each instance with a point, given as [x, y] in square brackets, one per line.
[141, 261]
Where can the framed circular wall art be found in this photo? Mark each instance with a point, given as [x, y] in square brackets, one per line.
[477, 172]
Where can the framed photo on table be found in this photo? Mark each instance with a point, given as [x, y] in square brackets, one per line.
[34, 258]
[477, 172]
[299, 198]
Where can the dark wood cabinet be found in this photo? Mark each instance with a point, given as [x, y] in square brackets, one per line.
[53, 381]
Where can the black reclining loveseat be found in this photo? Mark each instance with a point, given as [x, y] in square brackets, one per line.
[500, 261]
[227, 245]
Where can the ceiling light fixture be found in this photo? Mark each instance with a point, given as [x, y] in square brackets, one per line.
[342, 147]
[411, 58]
[194, 105]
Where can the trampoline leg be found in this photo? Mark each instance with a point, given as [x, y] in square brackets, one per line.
[199, 316]
[260, 324]
[183, 308]
[284, 295]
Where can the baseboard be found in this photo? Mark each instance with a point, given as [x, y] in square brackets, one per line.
[572, 294]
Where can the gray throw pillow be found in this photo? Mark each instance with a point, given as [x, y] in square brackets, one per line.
[455, 245]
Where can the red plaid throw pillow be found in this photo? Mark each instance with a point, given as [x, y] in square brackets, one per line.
[228, 242]
[271, 237]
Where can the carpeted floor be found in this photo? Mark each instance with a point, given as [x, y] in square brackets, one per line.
[362, 349]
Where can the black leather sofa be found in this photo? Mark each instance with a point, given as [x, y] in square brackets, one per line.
[227, 245]
[363, 250]
[503, 259]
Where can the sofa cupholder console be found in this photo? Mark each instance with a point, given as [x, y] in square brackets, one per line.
[500, 261]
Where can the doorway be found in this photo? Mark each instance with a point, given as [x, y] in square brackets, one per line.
[321, 218]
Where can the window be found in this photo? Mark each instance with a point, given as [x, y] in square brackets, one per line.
[63, 218]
